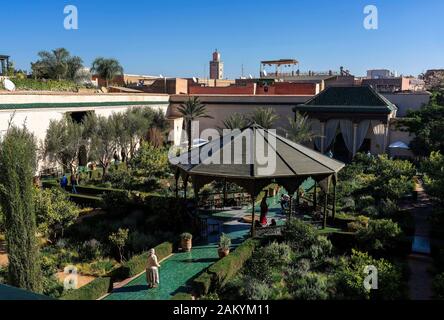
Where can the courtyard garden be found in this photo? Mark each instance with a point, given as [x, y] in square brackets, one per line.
[123, 198]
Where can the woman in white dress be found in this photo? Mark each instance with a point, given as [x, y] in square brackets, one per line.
[152, 271]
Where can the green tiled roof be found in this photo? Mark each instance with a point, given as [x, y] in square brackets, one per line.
[348, 99]
[17, 106]
[11, 293]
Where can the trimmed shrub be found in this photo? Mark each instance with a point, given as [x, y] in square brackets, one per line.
[223, 270]
[182, 296]
[92, 291]
[202, 284]
[86, 201]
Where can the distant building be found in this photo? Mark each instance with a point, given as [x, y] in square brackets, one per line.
[379, 74]
[4, 65]
[216, 67]
[395, 84]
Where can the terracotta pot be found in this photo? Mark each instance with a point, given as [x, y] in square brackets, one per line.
[186, 244]
[223, 252]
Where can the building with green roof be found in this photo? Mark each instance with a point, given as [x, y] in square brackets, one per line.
[349, 119]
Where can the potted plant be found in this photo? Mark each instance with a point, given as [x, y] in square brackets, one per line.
[224, 246]
[186, 241]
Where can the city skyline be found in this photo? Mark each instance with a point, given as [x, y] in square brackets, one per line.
[161, 39]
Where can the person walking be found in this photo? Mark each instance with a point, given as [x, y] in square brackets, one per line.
[74, 182]
[264, 210]
[152, 270]
[64, 182]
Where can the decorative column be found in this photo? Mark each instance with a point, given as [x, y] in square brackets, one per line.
[386, 134]
[185, 185]
[325, 209]
[334, 199]
[253, 224]
[322, 137]
[355, 131]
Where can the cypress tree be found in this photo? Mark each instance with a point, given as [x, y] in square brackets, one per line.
[17, 168]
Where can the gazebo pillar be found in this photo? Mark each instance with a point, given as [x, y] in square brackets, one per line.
[253, 213]
[185, 185]
[325, 209]
[334, 200]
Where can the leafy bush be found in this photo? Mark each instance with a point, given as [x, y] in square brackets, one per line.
[45, 85]
[257, 290]
[267, 260]
[319, 251]
[139, 242]
[116, 201]
[349, 278]
[381, 234]
[92, 291]
[54, 211]
[300, 235]
[309, 286]
[360, 222]
[90, 250]
[97, 268]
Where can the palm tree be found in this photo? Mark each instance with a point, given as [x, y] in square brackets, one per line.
[191, 110]
[235, 121]
[265, 117]
[107, 69]
[299, 129]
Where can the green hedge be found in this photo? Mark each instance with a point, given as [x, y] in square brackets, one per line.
[137, 264]
[86, 201]
[223, 270]
[96, 191]
[92, 291]
[182, 296]
[202, 284]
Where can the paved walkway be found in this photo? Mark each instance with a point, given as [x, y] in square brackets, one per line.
[420, 262]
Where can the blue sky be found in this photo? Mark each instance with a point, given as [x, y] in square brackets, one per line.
[176, 38]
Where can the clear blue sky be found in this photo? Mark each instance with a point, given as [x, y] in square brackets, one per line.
[176, 38]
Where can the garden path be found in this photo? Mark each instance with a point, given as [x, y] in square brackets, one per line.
[420, 261]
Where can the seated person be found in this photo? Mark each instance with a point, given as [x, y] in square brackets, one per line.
[285, 200]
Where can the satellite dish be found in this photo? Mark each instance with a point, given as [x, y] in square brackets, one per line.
[194, 79]
[9, 85]
[160, 76]
[265, 73]
[250, 76]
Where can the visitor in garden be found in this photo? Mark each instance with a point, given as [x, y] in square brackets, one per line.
[64, 182]
[152, 269]
[264, 210]
[74, 183]
[285, 200]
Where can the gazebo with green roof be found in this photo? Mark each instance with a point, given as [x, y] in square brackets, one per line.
[354, 110]
[244, 151]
